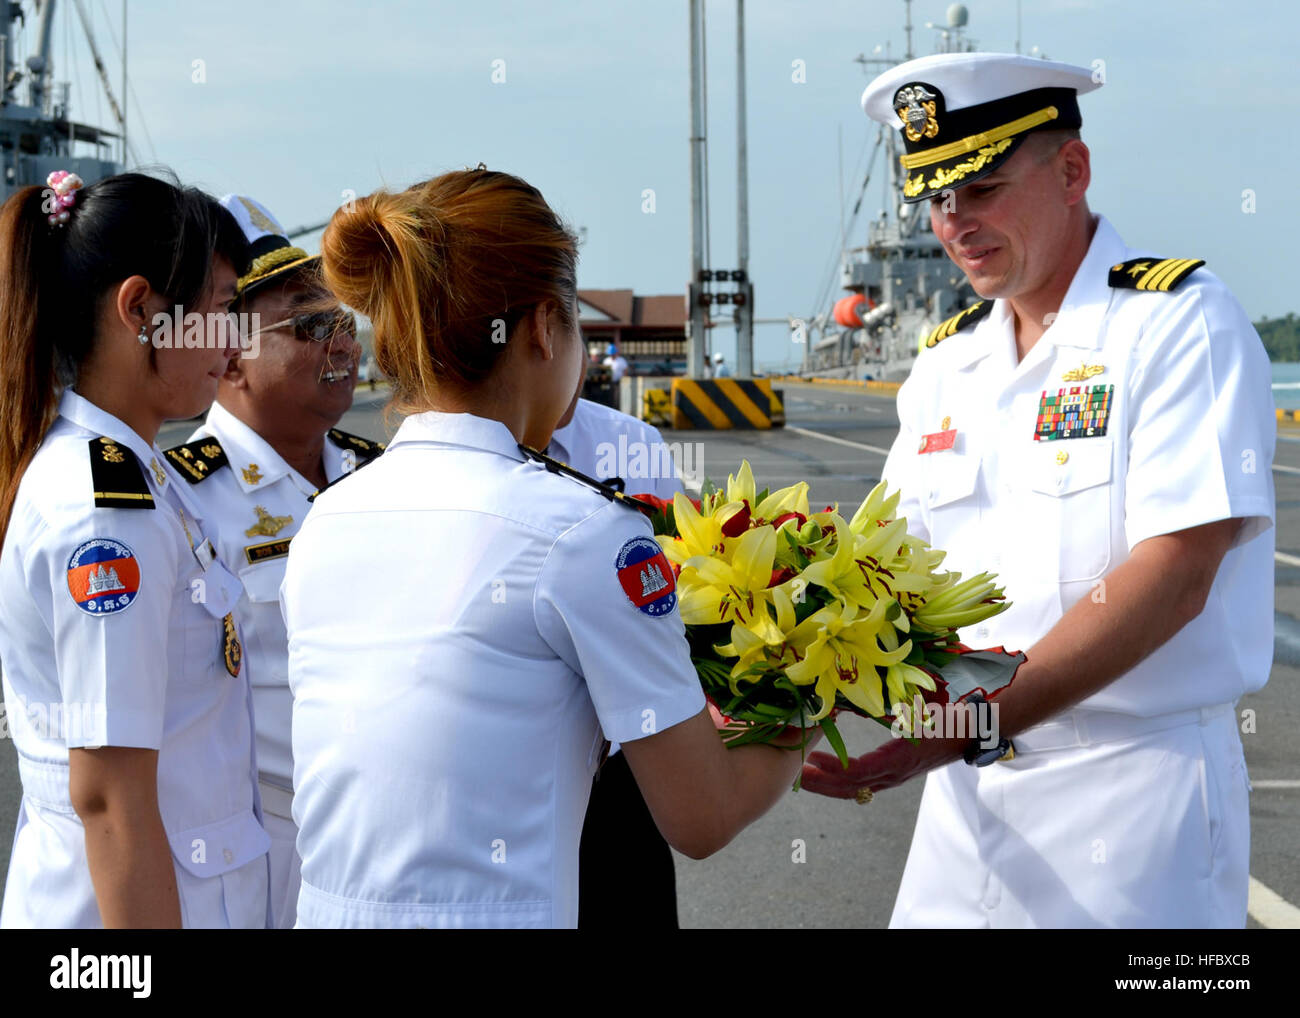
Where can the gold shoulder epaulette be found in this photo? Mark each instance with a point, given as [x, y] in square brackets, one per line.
[1162, 274]
[197, 461]
[117, 477]
[365, 449]
[959, 321]
[608, 490]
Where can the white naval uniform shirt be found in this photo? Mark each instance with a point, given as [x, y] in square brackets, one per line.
[442, 766]
[1189, 440]
[605, 443]
[140, 662]
[259, 477]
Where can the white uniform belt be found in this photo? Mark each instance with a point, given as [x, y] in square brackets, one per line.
[45, 783]
[276, 800]
[1087, 727]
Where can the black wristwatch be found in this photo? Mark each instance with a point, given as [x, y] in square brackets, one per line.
[979, 755]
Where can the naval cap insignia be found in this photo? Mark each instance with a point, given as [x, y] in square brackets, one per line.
[915, 105]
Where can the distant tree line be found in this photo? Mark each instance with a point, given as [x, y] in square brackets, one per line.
[1281, 337]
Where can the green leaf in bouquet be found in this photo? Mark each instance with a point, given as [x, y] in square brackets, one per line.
[836, 741]
[753, 674]
[663, 521]
[783, 682]
[757, 733]
[708, 488]
[713, 674]
[772, 711]
[814, 599]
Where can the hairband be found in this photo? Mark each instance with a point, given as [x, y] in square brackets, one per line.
[65, 186]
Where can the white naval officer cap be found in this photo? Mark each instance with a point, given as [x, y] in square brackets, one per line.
[273, 254]
[962, 115]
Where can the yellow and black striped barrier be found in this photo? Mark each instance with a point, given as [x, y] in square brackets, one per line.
[1289, 416]
[657, 408]
[725, 403]
[777, 404]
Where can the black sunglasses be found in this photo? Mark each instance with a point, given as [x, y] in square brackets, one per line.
[318, 326]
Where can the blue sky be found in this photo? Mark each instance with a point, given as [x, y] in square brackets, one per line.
[305, 100]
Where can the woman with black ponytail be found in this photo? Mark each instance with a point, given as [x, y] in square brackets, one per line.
[122, 675]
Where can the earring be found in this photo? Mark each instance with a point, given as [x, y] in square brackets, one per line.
[143, 337]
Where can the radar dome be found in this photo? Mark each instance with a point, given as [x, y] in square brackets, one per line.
[958, 16]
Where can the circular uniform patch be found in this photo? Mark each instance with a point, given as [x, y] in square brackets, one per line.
[646, 576]
[103, 576]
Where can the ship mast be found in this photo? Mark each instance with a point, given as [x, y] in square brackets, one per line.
[38, 135]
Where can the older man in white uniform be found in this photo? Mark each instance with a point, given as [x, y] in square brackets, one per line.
[1098, 429]
[268, 444]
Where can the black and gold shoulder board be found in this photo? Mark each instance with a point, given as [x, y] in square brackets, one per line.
[1162, 274]
[614, 494]
[365, 449]
[197, 461]
[117, 477]
[961, 320]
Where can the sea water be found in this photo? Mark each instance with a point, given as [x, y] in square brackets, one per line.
[1286, 385]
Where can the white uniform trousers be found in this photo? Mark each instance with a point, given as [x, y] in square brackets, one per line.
[286, 866]
[1101, 820]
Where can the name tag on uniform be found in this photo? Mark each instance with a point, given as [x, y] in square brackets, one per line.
[256, 553]
[938, 441]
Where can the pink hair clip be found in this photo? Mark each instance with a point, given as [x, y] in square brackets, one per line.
[65, 186]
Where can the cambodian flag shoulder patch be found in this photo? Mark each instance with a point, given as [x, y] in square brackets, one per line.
[647, 577]
[103, 576]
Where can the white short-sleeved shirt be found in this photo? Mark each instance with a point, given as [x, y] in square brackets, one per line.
[608, 444]
[1189, 440]
[605, 443]
[258, 502]
[617, 365]
[113, 632]
[462, 625]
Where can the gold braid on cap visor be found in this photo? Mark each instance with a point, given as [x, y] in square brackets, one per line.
[273, 261]
[988, 143]
[978, 141]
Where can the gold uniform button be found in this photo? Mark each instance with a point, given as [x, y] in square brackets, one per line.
[1062, 456]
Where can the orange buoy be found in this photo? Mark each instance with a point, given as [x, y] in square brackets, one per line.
[846, 311]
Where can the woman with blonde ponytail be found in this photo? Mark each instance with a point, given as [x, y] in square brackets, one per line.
[467, 623]
[123, 685]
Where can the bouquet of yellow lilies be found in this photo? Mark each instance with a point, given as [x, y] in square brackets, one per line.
[793, 614]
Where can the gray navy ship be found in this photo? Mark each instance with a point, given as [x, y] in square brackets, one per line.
[900, 283]
[37, 132]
